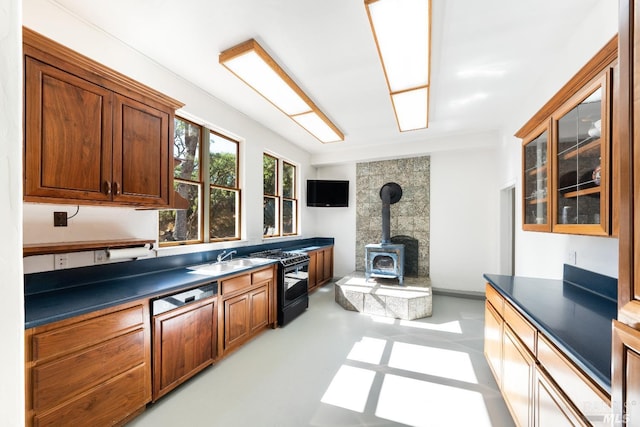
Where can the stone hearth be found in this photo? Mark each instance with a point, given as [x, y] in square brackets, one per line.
[384, 297]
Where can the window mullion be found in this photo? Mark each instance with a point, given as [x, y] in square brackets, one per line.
[206, 185]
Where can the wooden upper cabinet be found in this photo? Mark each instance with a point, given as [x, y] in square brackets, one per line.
[67, 134]
[567, 173]
[92, 135]
[141, 171]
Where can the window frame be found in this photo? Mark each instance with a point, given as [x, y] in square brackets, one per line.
[237, 189]
[205, 187]
[280, 199]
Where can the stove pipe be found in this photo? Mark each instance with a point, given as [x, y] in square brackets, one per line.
[390, 193]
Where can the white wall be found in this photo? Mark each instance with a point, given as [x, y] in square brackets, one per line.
[92, 222]
[340, 223]
[464, 215]
[464, 218]
[12, 302]
[543, 254]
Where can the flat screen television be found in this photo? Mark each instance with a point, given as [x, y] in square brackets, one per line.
[327, 193]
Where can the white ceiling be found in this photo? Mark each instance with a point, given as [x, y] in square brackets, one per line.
[485, 56]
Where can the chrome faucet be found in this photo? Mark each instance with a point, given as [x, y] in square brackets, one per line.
[225, 255]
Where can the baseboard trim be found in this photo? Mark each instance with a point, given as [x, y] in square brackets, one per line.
[459, 294]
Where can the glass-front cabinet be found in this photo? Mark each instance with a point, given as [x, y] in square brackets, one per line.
[580, 167]
[536, 206]
[566, 170]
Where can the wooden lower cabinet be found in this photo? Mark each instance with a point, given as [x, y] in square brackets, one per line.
[552, 408]
[184, 343]
[320, 267]
[94, 369]
[626, 374]
[518, 367]
[540, 385]
[247, 307]
[493, 341]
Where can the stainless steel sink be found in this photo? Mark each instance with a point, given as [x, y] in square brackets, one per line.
[231, 265]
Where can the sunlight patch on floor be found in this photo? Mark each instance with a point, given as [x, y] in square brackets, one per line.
[452, 327]
[450, 364]
[349, 388]
[368, 350]
[420, 403]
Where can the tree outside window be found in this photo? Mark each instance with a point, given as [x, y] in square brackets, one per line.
[280, 198]
[224, 193]
[184, 225]
[222, 213]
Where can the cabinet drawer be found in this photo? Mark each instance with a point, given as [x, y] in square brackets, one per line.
[236, 284]
[56, 381]
[83, 334]
[584, 394]
[521, 327]
[105, 405]
[495, 299]
[262, 275]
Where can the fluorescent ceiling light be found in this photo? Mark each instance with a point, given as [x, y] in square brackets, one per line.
[402, 30]
[253, 65]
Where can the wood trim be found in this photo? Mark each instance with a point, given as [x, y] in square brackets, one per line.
[253, 45]
[600, 61]
[30, 249]
[623, 144]
[50, 49]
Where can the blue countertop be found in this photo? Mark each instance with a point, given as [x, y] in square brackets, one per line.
[575, 317]
[63, 303]
[60, 294]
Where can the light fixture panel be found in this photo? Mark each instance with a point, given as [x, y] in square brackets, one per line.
[411, 109]
[253, 65]
[402, 32]
[317, 127]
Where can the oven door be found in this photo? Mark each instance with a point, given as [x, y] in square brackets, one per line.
[295, 283]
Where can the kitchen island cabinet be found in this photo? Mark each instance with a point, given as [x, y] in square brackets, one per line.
[552, 362]
[93, 369]
[92, 135]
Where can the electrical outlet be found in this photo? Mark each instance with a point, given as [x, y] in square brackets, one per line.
[59, 219]
[572, 258]
[100, 257]
[60, 261]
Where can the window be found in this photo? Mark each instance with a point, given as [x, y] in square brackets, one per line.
[184, 225]
[221, 215]
[280, 197]
[224, 192]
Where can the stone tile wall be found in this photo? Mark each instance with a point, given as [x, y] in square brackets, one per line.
[410, 216]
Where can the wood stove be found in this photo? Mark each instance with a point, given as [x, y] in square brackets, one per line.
[384, 260]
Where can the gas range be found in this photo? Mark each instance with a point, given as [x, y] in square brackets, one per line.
[286, 258]
[293, 283]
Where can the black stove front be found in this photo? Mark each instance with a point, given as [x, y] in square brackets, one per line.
[292, 286]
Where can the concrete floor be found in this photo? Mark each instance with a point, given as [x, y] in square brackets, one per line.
[332, 367]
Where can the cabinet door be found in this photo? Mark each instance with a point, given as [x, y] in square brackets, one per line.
[517, 378]
[328, 264]
[493, 341]
[320, 267]
[141, 152]
[581, 161]
[67, 135]
[184, 344]
[259, 308]
[625, 381]
[552, 407]
[236, 320]
[312, 276]
[535, 183]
